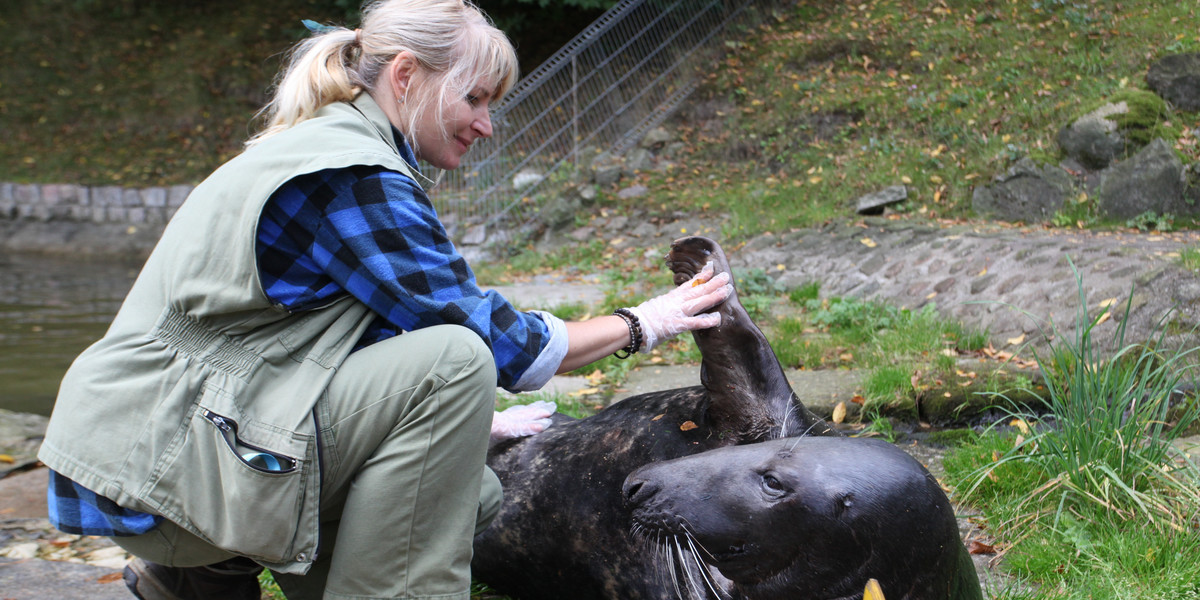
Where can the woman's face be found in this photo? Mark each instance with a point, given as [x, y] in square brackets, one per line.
[444, 137]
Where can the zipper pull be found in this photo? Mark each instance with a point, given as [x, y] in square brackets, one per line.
[217, 420]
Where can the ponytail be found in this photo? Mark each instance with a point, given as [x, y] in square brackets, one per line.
[451, 39]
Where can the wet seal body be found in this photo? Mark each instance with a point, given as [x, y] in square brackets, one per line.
[565, 529]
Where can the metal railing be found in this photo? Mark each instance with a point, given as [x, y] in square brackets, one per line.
[612, 83]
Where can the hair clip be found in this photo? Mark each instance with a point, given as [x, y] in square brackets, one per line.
[316, 27]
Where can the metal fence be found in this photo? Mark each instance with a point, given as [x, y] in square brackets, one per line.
[605, 89]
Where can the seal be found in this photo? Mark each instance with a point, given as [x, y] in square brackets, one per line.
[806, 517]
[564, 529]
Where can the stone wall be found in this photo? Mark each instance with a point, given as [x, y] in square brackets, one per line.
[90, 204]
[85, 220]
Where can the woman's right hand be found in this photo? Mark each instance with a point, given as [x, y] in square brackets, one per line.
[678, 311]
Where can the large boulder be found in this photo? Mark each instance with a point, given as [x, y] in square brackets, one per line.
[1149, 182]
[1177, 79]
[1124, 124]
[1190, 203]
[1027, 192]
[1093, 139]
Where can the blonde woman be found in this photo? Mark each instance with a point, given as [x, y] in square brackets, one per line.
[303, 375]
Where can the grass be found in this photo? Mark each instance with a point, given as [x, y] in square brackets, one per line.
[936, 96]
[1094, 500]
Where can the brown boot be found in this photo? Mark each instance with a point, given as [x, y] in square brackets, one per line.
[233, 579]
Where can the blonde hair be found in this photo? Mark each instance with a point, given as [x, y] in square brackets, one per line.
[452, 40]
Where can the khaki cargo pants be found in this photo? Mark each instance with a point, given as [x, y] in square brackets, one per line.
[404, 428]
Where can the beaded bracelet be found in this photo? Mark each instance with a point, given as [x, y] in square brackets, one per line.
[635, 333]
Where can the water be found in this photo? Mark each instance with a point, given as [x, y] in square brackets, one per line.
[51, 308]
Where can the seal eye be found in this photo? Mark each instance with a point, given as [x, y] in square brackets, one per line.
[773, 487]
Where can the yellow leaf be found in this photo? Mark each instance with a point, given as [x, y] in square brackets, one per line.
[905, 179]
[780, 267]
[5, 458]
[846, 357]
[595, 377]
[1108, 302]
[935, 178]
[688, 426]
[1017, 340]
[951, 352]
[1020, 424]
[982, 273]
[1020, 440]
[839, 412]
[868, 242]
[873, 591]
[1104, 317]
[659, 417]
[584, 392]
[814, 179]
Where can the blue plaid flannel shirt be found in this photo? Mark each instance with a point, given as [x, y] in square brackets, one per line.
[374, 234]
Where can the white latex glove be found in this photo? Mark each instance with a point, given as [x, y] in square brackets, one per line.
[522, 420]
[673, 313]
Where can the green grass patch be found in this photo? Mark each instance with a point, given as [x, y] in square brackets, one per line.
[1093, 500]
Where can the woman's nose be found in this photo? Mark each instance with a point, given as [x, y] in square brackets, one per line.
[483, 125]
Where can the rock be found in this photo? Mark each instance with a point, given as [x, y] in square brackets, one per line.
[558, 213]
[875, 202]
[1149, 182]
[607, 169]
[1191, 191]
[475, 235]
[638, 159]
[1177, 79]
[656, 138]
[526, 178]
[1094, 139]
[1028, 192]
[633, 191]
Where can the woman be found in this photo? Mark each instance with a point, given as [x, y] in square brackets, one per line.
[253, 402]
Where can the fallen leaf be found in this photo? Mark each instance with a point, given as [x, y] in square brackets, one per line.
[111, 577]
[1016, 340]
[978, 547]
[1104, 317]
[868, 242]
[839, 412]
[688, 426]
[1020, 424]
[5, 458]
[873, 591]
[659, 417]
[857, 399]
[584, 391]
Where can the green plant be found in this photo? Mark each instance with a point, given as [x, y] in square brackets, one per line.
[1190, 258]
[808, 291]
[1152, 221]
[1114, 416]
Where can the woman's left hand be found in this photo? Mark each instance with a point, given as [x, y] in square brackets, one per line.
[522, 420]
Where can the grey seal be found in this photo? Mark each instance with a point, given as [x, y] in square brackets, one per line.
[565, 529]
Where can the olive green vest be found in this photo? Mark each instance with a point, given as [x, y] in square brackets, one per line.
[199, 368]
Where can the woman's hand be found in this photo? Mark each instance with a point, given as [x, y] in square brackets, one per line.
[677, 311]
[522, 420]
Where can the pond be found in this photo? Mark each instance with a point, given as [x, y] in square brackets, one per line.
[51, 308]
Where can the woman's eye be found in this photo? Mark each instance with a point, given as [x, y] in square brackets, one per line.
[472, 99]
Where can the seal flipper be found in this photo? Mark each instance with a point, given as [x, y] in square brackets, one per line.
[750, 398]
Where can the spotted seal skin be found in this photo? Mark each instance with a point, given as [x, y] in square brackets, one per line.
[808, 517]
[564, 530]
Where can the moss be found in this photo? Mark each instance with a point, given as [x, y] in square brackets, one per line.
[952, 438]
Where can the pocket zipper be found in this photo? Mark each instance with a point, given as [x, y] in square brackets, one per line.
[276, 463]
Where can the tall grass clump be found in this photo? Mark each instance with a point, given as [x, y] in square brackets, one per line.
[1094, 497]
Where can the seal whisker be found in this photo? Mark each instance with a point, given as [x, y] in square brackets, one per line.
[703, 567]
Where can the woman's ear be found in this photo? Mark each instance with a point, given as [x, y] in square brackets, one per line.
[402, 69]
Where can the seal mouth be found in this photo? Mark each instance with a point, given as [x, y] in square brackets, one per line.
[732, 553]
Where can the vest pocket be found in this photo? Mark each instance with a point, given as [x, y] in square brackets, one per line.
[241, 497]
